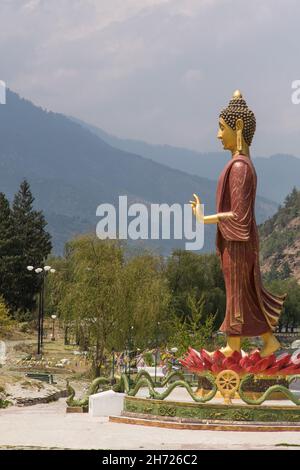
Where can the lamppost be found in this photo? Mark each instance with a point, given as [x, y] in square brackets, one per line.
[156, 350]
[113, 367]
[53, 318]
[173, 360]
[42, 272]
[129, 347]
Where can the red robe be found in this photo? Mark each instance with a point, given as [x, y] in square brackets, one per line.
[250, 309]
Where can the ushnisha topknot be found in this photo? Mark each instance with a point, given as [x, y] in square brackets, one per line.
[238, 109]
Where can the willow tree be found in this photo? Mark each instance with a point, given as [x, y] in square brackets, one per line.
[146, 301]
[110, 299]
[93, 292]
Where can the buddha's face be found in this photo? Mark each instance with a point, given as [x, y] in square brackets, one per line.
[226, 135]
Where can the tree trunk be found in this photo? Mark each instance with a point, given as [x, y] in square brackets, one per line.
[66, 335]
[98, 360]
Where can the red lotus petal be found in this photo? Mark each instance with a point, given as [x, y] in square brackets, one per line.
[187, 360]
[207, 365]
[216, 368]
[245, 362]
[194, 352]
[228, 362]
[185, 364]
[196, 362]
[218, 357]
[236, 356]
[272, 370]
[206, 357]
[255, 357]
[195, 357]
[266, 362]
[282, 360]
[290, 370]
[253, 369]
[236, 368]
[192, 362]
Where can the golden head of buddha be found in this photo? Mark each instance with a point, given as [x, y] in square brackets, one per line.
[237, 125]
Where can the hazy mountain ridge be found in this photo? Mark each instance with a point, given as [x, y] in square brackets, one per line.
[277, 174]
[71, 171]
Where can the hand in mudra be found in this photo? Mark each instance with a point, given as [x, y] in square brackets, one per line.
[196, 207]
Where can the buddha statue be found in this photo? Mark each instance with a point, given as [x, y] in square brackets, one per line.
[250, 309]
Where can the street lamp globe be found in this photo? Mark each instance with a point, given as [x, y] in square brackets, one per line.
[38, 270]
[30, 268]
[52, 270]
[47, 268]
[53, 317]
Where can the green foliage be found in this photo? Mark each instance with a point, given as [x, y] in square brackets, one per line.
[284, 215]
[145, 301]
[6, 323]
[148, 358]
[108, 300]
[277, 235]
[290, 317]
[4, 403]
[276, 274]
[33, 245]
[9, 255]
[195, 330]
[200, 276]
[23, 241]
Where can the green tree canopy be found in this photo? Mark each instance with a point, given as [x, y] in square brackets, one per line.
[200, 276]
[33, 244]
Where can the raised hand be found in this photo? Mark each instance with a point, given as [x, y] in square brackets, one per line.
[196, 207]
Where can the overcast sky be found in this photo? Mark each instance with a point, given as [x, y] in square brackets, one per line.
[158, 70]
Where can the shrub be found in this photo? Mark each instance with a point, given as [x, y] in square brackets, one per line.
[6, 322]
[148, 358]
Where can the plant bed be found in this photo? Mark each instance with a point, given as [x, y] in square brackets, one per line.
[77, 409]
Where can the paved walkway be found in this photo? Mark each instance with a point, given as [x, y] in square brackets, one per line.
[48, 426]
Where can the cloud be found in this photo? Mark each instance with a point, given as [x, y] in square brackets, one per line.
[31, 5]
[158, 70]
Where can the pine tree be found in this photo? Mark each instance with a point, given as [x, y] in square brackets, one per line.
[33, 242]
[9, 258]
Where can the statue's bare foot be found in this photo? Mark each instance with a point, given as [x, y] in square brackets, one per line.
[227, 351]
[233, 344]
[271, 345]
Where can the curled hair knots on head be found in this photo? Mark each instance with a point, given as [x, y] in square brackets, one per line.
[238, 109]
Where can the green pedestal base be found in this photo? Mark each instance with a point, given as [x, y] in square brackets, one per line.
[213, 412]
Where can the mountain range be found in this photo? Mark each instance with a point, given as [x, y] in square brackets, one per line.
[72, 169]
[277, 174]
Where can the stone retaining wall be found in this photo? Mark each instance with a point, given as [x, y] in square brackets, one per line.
[45, 399]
